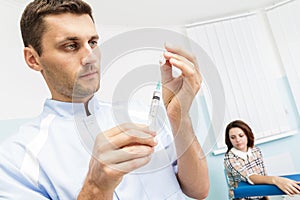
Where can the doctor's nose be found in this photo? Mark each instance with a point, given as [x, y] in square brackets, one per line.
[91, 56]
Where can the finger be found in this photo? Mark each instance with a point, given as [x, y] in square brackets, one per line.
[133, 152]
[133, 137]
[286, 191]
[180, 62]
[294, 190]
[166, 72]
[290, 189]
[180, 51]
[185, 54]
[121, 135]
[131, 165]
[125, 154]
[188, 69]
[296, 187]
[126, 126]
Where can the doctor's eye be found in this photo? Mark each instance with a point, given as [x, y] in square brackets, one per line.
[71, 47]
[93, 43]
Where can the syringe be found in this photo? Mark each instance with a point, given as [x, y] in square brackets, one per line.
[154, 107]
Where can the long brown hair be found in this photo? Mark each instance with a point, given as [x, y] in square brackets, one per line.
[242, 125]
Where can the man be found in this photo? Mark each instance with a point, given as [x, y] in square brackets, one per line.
[47, 160]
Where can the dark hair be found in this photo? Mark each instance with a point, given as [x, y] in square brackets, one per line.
[32, 20]
[242, 125]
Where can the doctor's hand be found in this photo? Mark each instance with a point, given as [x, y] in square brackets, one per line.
[179, 92]
[117, 152]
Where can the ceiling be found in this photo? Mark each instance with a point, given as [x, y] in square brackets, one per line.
[166, 12]
[170, 12]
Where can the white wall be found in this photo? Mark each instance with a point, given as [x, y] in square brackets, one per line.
[22, 90]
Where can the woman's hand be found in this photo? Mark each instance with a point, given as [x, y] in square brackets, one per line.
[288, 186]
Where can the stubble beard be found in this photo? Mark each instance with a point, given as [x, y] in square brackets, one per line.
[82, 92]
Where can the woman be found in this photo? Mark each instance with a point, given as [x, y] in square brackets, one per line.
[243, 162]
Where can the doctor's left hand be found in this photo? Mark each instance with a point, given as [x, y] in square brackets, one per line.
[179, 92]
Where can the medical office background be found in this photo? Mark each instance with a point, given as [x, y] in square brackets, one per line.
[256, 52]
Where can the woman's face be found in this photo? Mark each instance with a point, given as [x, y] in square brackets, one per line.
[238, 139]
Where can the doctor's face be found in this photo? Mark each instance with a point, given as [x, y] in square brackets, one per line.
[70, 57]
[238, 139]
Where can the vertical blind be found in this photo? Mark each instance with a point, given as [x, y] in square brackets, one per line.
[285, 23]
[244, 55]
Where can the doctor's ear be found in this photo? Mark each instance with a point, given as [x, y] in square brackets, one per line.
[32, 58]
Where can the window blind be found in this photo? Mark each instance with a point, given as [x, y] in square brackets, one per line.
[285, 24]
[245, 57]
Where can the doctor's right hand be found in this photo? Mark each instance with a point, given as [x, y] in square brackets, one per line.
[116, 152]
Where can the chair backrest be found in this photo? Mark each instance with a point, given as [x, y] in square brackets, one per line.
[227, 181]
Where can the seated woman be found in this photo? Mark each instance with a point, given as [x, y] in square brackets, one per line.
[243, 162]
